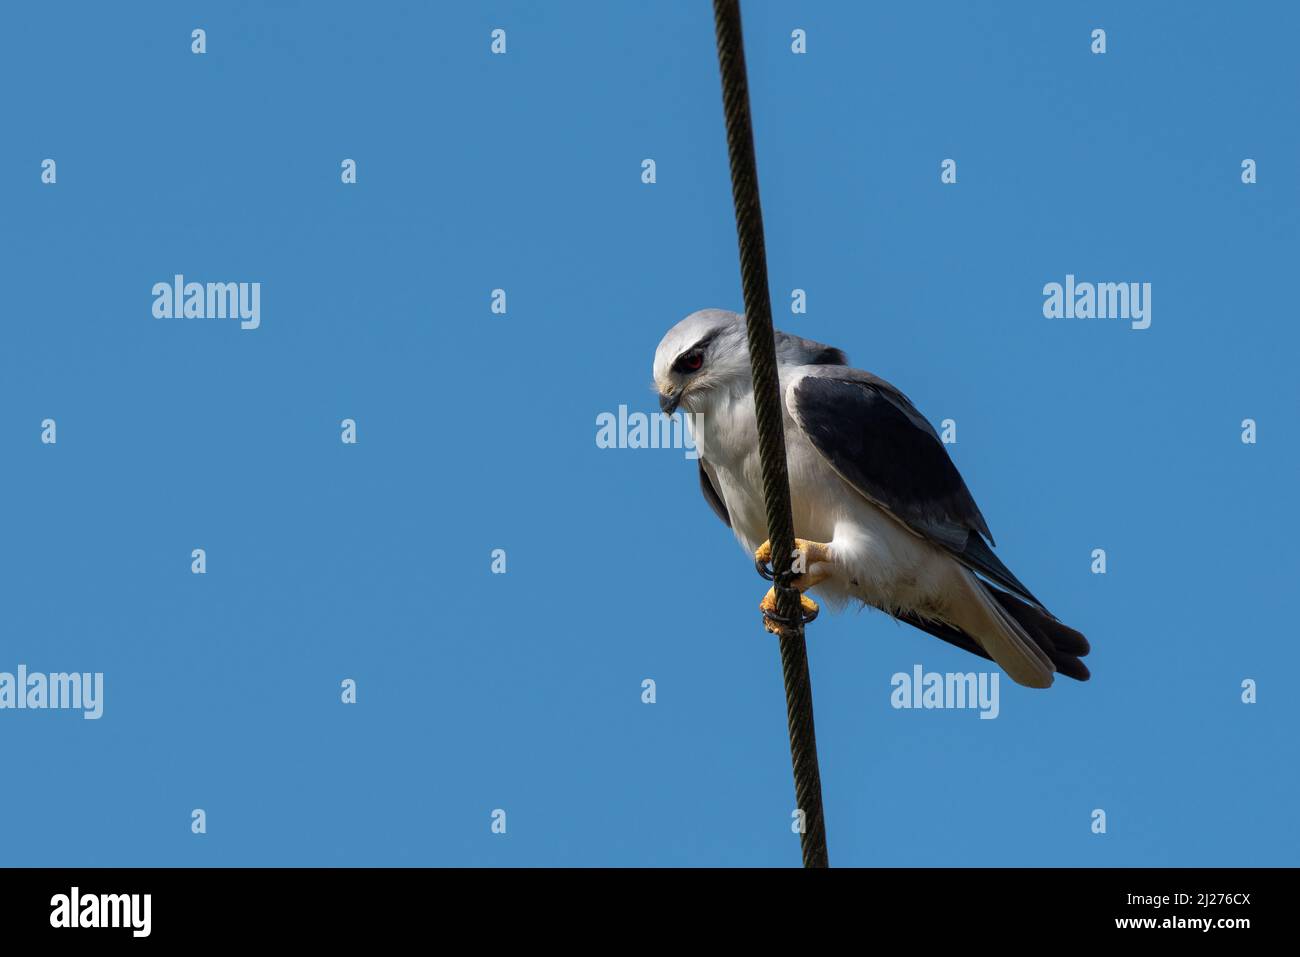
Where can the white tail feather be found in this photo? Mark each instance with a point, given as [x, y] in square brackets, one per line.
[981, 617]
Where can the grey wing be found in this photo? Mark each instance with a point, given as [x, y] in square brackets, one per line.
[881, 445]
[711, 495]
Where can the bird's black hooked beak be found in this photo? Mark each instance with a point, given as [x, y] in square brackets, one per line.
[668, 401]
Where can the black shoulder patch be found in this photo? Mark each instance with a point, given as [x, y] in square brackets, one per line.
[873, 444]
[830, 356]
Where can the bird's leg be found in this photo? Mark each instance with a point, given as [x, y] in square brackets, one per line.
[806, 555]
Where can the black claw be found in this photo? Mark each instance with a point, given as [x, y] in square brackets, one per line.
[787, 623]
[765, 570]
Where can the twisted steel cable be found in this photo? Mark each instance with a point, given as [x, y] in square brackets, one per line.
[771, 432]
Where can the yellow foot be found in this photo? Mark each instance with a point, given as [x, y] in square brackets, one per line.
[806, 554]
[770, 615]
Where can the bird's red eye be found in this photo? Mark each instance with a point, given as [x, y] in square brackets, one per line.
[691, 361]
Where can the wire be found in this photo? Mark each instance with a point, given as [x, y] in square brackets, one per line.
[771, 432]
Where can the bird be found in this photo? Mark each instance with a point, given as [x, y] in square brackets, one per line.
[881, 515]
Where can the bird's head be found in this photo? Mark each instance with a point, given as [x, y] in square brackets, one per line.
[703, 353]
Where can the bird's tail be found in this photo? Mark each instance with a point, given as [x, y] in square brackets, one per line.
[1061, 643]
[983, 614]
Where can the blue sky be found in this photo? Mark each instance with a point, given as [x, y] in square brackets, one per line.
[476, 431]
